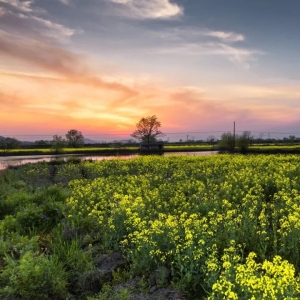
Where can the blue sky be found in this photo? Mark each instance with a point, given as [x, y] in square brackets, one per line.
[101, 65]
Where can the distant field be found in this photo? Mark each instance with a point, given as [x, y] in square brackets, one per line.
[107, 149]
[70, 150]
[188, 147]
[275, 147]
[167, 147]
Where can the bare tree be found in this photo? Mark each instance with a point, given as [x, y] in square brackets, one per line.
[75, 138]
[211, 139]
[292, 139]
[147, 130]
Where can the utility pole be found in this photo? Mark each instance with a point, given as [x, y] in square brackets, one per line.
[187, 138]
[233, 135]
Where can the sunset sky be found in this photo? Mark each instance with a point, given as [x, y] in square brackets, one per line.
[100, 65]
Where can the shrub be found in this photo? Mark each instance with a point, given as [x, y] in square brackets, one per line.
[34, 277]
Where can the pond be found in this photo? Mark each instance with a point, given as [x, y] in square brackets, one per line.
[20, 160]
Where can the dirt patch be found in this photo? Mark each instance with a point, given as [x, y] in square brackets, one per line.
[154, 293]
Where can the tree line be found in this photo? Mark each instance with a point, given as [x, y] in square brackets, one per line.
[73, 138]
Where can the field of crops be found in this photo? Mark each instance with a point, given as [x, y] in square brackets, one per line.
[221, 227]
[275, 147]
[109, 148]
[123, 148]
[28, 151]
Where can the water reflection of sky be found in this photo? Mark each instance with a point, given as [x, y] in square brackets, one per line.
[21, 160]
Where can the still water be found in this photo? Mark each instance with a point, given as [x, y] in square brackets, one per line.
[20, 160]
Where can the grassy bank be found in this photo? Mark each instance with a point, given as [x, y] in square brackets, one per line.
[279, 149]
[103, 150]
[134, 149]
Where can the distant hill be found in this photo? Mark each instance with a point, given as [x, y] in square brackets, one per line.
[86, 141]
[26, 143]
[89, 141]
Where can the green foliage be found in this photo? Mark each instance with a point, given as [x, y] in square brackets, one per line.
[68, 172]
[77, 262]
[243, 142]
[105, 293]
[7, 144]
[34, 276]
[108, 293]
[122, 294]
[43, 217]
[36, 175]
[57, 144]
[227, 142]
[24, 212]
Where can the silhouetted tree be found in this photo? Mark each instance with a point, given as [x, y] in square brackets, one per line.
[227, 141]
[7, 144]
[147, 130]
[41, 143]
[211, 140]
[75, 138]
[243, 141]
[58, 143]
[292, 139]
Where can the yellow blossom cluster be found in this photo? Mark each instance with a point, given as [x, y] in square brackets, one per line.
[227, 227]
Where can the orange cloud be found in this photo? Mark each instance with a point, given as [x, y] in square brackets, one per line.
[55, 60]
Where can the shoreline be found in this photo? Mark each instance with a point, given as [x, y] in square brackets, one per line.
[115, 151]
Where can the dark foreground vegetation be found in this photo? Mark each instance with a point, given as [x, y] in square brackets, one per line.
[219, 227]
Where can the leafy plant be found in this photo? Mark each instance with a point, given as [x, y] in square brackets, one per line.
[34, 276]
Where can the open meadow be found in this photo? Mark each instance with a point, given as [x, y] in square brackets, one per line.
[152, 227]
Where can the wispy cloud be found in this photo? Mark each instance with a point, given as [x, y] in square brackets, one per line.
[27, 23]
[274, 94]
[146, 9]
[223, 35]
[63, 30]
[56, 60]
[24, 6]
[198, 41]
[65, 2]
[241, 57]
[196, 33]
[33, 26]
